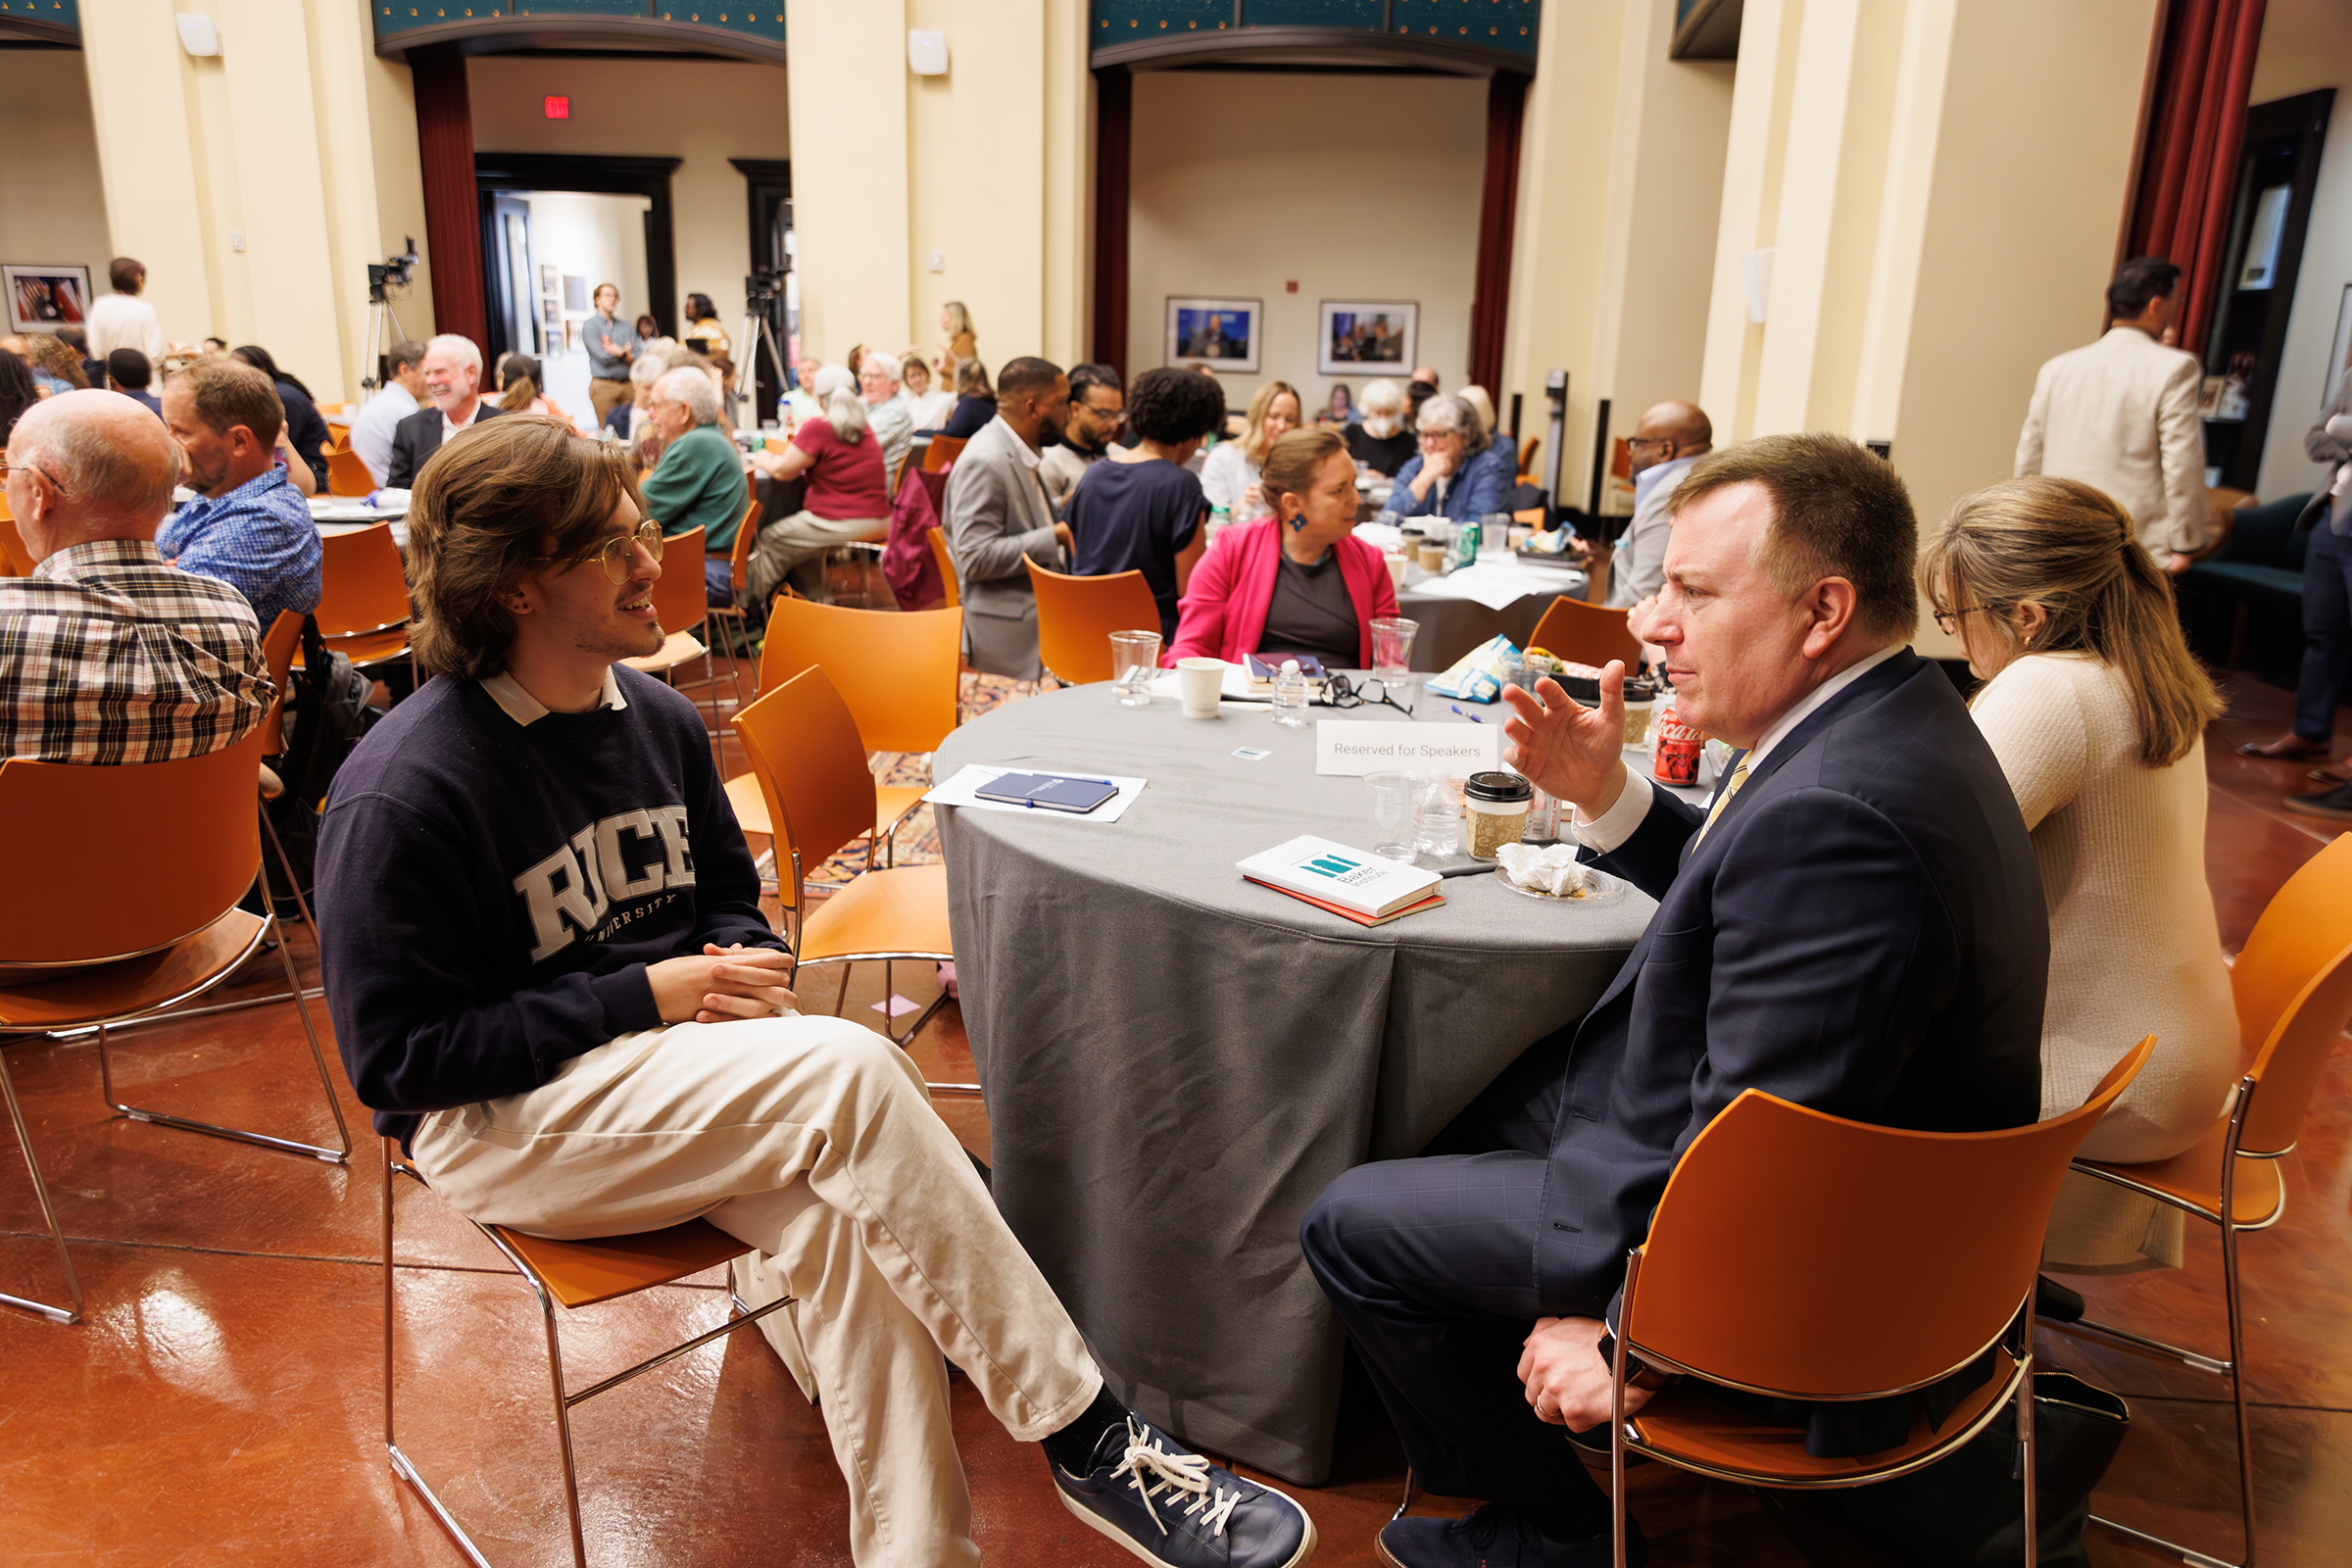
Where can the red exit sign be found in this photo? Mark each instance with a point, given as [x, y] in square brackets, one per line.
[559, 109]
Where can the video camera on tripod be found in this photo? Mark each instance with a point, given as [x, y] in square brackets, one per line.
[396, 272]
[763, 286]
[383, 323]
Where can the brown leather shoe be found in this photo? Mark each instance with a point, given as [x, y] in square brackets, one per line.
[2287, 747]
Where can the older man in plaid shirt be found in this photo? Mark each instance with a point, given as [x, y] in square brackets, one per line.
[107, 654]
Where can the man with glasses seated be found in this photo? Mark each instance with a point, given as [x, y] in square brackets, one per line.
[108, 654]
[1670, 436]
[552, 981]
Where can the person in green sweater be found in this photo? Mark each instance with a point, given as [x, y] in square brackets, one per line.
[699, 481]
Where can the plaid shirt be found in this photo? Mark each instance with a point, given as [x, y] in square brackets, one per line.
[109, 656]
[259, 539]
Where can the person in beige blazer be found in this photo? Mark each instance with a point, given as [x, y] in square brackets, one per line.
[2121, 416]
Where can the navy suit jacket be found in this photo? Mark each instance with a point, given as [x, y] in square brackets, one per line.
[417, 437]
[1862, 932]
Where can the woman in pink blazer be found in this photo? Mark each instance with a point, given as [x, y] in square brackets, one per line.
[1298, 582]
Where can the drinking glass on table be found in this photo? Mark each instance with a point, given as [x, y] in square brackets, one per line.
[1393, 656]
[1392, 796]
[1134, 660]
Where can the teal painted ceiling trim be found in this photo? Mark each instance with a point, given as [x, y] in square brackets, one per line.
[1393, 32]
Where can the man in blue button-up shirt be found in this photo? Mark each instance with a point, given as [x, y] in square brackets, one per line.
[249, 527]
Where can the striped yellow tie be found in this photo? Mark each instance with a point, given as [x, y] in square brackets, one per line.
[1724, 799]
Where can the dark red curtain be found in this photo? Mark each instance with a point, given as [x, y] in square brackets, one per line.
[2196, 125]
[1497, 213]
[453, 224]
[1114, 123]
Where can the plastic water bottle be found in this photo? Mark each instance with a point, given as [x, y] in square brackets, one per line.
[1290, 695]
[1218, 518]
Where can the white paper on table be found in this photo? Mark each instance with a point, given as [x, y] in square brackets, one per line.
[1352, 748]
[1381, 536]
[1498, 584]
[959, 791]
[1236, 686]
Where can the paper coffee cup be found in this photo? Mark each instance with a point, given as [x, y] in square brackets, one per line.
[1199, 683]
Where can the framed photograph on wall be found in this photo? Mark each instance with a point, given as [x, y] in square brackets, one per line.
[44, 298]
[1223, 332]
[1367, 337]
[575, 292]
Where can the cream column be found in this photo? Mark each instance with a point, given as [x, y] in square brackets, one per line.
[273, 117]
[1942, 185]
[1621, 175]
[141, 104]
[850, 172]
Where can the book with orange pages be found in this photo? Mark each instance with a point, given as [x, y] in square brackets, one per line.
[1430, 902]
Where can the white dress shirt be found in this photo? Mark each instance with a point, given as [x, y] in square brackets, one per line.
[373, 430]
[1612, 827]
[125, 321]
[450, 428]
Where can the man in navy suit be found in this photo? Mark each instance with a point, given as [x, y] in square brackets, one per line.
[1854, 923]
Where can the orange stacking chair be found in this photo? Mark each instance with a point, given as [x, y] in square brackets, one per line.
[364, 595]
[1804, 1256]
[346, 475]
[183, 834]
[810, 763]
[947, 565]
[1587, 634]
[1077, 616]
[571, 1275]
[897, 673]
[2294, 988]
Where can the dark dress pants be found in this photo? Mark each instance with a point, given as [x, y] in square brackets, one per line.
[1430, 1263]
[2326, 630]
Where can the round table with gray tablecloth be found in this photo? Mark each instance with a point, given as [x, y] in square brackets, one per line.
[1177, 1061]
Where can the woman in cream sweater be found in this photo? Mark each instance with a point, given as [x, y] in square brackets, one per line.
[2097, 715]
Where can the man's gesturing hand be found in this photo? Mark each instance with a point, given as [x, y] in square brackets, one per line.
[1566, 1380]
[1569, 750]
[732, 982]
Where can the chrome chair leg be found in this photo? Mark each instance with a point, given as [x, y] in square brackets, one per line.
[1405, 1502]
[40, 1190]
[333, 1156]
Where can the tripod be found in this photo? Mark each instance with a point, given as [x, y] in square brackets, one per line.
[755, 332]
[383, 319]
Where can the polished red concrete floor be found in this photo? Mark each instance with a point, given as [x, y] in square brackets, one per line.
[223, 1400]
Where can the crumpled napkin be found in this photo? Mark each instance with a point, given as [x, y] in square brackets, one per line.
[1551, 869]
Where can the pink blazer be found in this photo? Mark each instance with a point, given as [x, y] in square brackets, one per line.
[1223, 613]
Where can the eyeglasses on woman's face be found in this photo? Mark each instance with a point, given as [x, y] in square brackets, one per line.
[615, 553]
[1948, 621]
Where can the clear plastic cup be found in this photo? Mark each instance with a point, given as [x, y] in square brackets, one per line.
[1392, 798]
[1134, 660]
[1392, 646]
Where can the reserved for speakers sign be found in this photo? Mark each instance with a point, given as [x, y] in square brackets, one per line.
[1352, 748]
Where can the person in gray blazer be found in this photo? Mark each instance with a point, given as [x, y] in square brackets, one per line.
[998, 517]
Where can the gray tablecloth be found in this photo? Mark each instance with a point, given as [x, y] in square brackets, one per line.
[1177, 1061]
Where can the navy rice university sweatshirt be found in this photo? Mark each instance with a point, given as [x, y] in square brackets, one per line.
[490, 891]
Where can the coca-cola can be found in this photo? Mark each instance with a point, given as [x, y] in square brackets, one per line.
[1677, 746]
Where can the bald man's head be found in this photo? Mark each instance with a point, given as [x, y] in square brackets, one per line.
[1422, 373]
[96, 465]
[1685, 424]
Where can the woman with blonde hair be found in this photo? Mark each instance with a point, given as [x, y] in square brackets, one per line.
[960, 345]
[1230, 476]
[2096, 712]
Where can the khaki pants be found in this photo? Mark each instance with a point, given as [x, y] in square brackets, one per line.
[804, 536]
[608, 395]
[814, 1142]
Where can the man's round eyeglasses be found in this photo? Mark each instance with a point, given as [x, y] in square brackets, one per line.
[614, 554]
[1340, 692]
[1948, 620]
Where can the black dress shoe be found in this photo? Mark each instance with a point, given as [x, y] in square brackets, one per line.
[1498, 1537]
[2335, 804]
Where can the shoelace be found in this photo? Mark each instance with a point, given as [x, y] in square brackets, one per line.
[1178, 1475]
